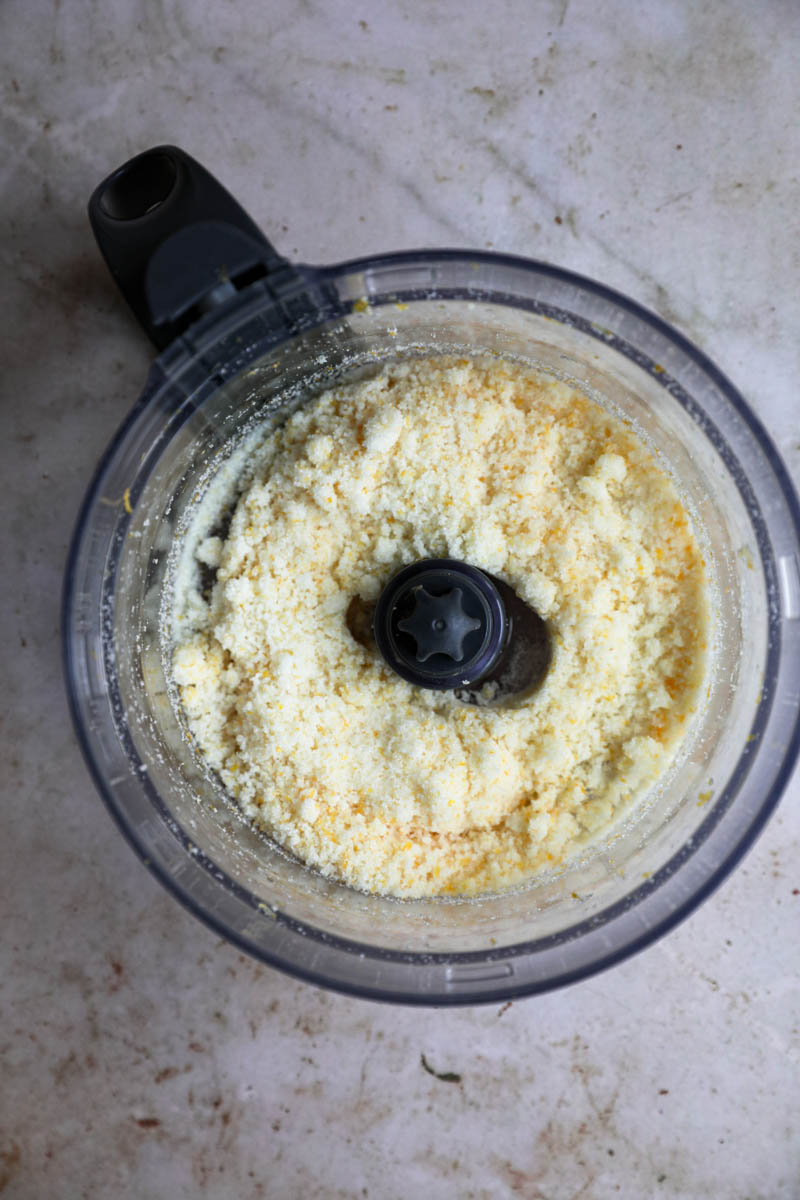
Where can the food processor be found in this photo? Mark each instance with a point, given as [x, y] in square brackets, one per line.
[246, 337]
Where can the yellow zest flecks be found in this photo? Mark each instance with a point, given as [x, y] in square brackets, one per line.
[399, 790]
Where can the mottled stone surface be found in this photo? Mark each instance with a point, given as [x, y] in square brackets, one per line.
[654, 146]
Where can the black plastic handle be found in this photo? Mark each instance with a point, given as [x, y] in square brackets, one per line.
[175, 240]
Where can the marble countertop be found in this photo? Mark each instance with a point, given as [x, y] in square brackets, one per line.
[654, 146]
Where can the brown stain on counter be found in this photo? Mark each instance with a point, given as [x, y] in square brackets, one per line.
[10, 1160]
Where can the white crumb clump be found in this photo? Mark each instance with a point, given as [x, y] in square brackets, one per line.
[397, 789]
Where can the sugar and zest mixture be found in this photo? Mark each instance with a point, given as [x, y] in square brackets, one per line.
[405, 791]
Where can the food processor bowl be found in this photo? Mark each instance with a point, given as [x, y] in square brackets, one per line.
[279, 336]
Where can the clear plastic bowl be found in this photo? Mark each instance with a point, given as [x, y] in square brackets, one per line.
[268, 352]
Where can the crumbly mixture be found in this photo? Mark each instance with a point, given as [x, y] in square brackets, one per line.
[405, 791]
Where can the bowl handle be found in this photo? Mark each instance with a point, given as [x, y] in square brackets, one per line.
[175, 241]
